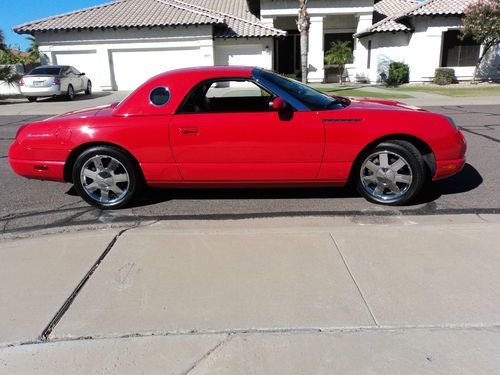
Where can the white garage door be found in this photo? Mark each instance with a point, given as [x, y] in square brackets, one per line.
[84, 61]
[134, 67]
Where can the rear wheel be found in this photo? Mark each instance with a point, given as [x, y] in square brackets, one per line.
[106, 177]
[70, 95]
[391, 173]
[32, 99]
[88, 91]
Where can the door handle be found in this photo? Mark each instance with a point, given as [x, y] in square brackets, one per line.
[189, 131]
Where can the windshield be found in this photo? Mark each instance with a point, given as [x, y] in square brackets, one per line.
[314, 99]
[51, 71]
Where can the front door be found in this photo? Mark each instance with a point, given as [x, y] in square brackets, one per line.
[227, 131]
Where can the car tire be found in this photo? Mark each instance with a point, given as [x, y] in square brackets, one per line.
[32, 99]
[70, 95]
[106, 177]
[88, 91]
[391, 173]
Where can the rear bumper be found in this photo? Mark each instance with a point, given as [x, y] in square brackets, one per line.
[23, 165]
[41, 91]
[39, 169]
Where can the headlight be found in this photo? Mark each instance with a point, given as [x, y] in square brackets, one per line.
[452, 122]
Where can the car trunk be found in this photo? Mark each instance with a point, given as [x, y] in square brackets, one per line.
[44, 80]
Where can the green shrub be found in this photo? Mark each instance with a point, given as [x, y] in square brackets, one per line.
[444, 76]
[289, 75]
[399, 73]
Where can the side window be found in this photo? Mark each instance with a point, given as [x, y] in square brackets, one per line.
[67, 72]
[74, 71]
[227, 96]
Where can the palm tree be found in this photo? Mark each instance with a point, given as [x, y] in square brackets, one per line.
[339, 53]
[303, 26]
[6, 73]
[2, 40]
[33, 52]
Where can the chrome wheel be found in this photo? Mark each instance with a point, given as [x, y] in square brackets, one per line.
[386, 176]
[105, 179]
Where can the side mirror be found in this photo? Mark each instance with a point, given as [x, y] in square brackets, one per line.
[82, 74]
[279, 104]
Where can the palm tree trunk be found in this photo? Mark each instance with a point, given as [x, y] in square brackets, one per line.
[303, 26]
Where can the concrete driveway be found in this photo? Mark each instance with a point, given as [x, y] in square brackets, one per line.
[268, 296]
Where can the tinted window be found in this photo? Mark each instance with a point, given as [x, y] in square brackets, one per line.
[227, 96]
[75, 71]
[458, 51]
[46, 70]
[312, 98]
[159, 96]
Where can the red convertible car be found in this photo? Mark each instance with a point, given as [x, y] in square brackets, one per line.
[239, 126]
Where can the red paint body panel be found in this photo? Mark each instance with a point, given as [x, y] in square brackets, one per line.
[231, 149]
[248, 146]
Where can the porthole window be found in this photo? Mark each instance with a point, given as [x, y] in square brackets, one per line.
[159, 96]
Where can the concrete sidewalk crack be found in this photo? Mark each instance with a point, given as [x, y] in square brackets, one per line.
[354, 280]
[44, 336]
[209, 353]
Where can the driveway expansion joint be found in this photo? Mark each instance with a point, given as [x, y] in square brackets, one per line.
[209, 353]
[354, 280]
[44, 336]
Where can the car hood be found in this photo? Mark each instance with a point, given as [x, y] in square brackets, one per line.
[381, 104]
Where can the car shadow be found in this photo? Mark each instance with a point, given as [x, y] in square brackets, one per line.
[468, 179]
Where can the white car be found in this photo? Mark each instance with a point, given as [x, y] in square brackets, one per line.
[54, 80]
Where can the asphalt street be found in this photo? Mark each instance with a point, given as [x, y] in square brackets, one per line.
[29, 205]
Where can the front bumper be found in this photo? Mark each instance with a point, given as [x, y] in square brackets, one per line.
[53, 90]
[447, 168]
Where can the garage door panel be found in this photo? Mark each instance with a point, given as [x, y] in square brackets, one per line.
[84, 61]
[131, 68]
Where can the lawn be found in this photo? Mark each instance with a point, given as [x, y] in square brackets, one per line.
[365, 93]
[452, 91]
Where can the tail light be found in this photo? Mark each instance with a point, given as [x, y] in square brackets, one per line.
[21, 82]
[57, 81]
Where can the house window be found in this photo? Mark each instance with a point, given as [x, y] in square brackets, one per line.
[457, 51]
[343, 37]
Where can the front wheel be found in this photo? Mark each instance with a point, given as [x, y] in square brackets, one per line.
[70, 95]
[105, 177]
[88, 90]
[392, 173]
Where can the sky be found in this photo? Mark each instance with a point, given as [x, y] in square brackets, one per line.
[16, 12]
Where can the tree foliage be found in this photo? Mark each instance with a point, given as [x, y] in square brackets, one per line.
[482, 24]
[339, 53]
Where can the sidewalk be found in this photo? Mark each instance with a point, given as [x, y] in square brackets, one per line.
[266, 296]
[426, 99]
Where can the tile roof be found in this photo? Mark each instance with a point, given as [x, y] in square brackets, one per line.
[442, 7]
[231, 18]
[396, 12]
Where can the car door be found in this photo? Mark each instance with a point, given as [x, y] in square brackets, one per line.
[226, 131]
[78, 79]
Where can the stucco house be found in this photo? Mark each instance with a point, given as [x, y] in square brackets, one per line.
[122, 43]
